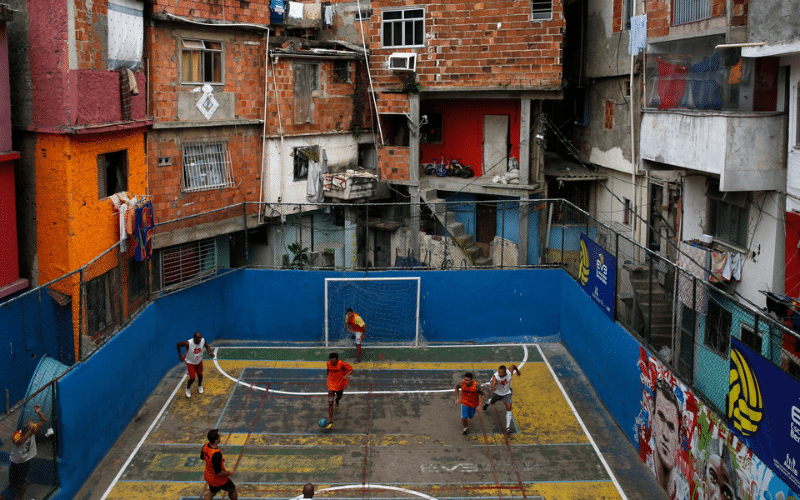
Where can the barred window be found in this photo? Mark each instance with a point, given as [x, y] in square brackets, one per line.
[689, 11]
[183, 263]
[718, 328]
[575, 192]
[201, 61]
[728, 216]
[206, 166]
[403, 28]
[541, 10]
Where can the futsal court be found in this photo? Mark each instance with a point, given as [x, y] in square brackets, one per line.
[397, 434]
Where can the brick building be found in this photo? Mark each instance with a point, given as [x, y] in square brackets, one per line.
[79, 121]
[466, 82]
[10, 282]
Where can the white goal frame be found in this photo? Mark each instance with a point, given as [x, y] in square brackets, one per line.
[416, 313]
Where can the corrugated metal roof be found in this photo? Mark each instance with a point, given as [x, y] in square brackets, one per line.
[567, 170]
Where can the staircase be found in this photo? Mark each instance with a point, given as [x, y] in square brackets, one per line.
[654, 307]
[455, 229]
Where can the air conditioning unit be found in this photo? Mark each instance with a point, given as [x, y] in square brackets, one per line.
[403, 61]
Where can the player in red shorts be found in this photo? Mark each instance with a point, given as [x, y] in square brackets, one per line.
[194, 360]
[357, 328]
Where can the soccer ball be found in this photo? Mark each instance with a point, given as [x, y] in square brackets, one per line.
[746, 407]
[322, 422]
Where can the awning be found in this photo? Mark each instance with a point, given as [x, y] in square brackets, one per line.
[566, 170]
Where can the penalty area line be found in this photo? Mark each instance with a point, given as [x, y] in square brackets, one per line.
[141, 441]
[290, 393]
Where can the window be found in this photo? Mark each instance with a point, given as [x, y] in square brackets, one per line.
[183, 263]
[301, 158]
[626, 217]
[137, 278]
[101, 302]
[797, 119]
[201, 61]
[541, 10]
[112, 173]
[431, 132]
[728, 216]
[341, 72]
[718, 328]
[363, 15]
[305, 87]
[689, 11]
[577, 193]
[626, 16]
[403, 28]
[751, 339]
[206, 166]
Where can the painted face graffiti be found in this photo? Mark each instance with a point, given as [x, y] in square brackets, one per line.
[666, 432]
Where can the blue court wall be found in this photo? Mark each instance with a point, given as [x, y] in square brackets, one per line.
[107, 390]
[606, 353]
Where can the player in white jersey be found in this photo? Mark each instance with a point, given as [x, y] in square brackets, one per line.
[194, 360]
[501, 390]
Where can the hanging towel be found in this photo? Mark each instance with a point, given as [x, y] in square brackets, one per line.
[735, 75]
[736, 266]
[314, 183]
[694, 262]
[143, 232]
[123, 233]
[329, 15]
[718, 261]
[638, 36]
[312, 11]
[295, 10]
[726, 271]
[277, 6]
[705, 78]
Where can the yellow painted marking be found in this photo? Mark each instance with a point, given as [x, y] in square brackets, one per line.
[143, 490]
[329, 440]
[182, 462]
[234, 367]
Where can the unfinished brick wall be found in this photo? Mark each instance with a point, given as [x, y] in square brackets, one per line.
[393, 163]
[481, 44]
[169, 202]
[243, 59]
[238, 11]
[91, 34]
[334, 103]
[659, 15]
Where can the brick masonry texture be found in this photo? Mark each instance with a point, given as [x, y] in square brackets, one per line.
[475, 45]
[659, 15]
[237, 11]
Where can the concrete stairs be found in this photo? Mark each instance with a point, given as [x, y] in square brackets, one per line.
[655, 305]
[455, 229]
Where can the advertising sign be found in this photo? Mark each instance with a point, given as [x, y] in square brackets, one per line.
[597, 274]
[764, 411]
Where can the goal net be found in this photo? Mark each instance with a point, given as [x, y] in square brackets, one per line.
[388, 306]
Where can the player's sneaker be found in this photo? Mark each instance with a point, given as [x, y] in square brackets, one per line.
[485, 405]
[336, 408]
[465, 431]
[358, 361]
[330, 425]
[200, 389]
[188, 392]
[509, 430]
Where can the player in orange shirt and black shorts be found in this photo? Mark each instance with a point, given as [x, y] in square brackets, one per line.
[338, 378]
[217, 477]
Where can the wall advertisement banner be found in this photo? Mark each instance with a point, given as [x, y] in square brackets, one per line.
[597, 274]
[764, 411]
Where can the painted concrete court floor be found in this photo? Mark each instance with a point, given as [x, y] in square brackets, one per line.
[396, 435]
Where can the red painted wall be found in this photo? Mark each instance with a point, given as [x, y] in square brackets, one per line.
[792, 280]
[462, 129]
[9, 263]
[99, 99]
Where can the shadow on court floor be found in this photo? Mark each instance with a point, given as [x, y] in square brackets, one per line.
[398, 430]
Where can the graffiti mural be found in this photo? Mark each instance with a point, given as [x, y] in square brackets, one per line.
[690, 451]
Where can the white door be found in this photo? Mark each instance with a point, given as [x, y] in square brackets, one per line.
[495, 144]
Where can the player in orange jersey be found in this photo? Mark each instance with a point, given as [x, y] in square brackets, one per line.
[217, 477]
[338, 378]
[470, 391]
[358, 329]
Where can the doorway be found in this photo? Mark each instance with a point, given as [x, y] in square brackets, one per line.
[495, 144]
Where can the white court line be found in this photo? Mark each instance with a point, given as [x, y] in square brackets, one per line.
[585, 430]
[158, 417]
[443, 346]
[289, 393]
[368, 486]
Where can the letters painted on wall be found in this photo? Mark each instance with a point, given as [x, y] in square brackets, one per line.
[690, 451]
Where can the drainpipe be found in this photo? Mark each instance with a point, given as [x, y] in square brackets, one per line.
[633, 142]
[264, 156]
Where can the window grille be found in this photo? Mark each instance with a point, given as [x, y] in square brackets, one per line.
[206, 166]
[541, 10]
[689, 11]
[201, 61]
[189, 261]
[718, 328]
[404, 28]
[102, 302]
[728, 216]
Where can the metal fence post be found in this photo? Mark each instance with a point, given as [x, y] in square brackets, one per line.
[563, 230]
[119, 285]
[650, 303]
[444, 236]
[80, 315]
[503, 236]
[54, 426]
[244, 225]
[616, 277]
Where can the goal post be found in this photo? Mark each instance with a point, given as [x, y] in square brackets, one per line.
[388, 306]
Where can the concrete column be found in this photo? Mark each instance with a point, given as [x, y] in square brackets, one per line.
[524, 142]
[413, 171]
[524, 223]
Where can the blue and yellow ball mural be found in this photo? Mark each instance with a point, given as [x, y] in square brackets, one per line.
[745, 407]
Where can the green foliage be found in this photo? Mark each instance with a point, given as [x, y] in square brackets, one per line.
[300, 259]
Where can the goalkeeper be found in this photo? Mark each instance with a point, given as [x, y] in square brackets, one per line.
[358, 330]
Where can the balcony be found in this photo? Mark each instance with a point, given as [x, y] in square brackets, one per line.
[746, 149]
